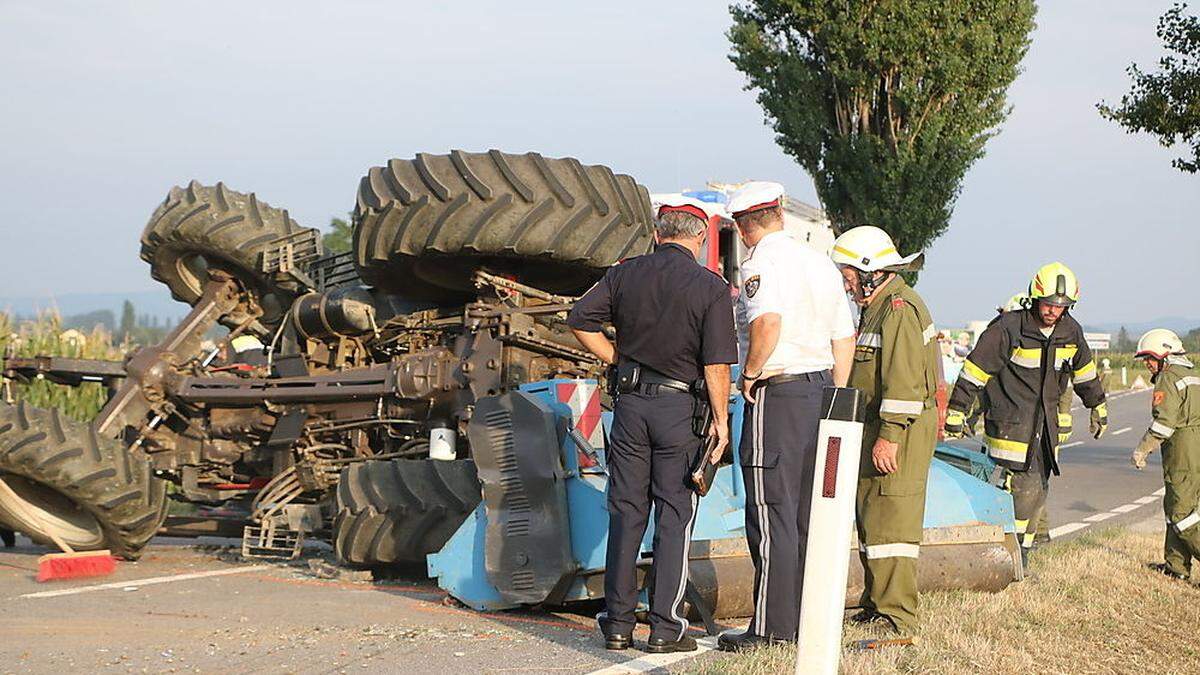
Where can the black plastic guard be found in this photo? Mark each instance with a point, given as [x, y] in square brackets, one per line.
[527, 544]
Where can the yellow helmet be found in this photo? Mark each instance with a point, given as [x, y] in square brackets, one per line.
[1159, 343]
[1055, 284]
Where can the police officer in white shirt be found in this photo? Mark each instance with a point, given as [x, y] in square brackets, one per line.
[796, 333]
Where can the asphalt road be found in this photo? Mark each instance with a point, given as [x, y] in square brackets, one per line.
[189, 608]
[1098, 484]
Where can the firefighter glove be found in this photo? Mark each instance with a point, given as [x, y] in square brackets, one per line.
[1099, 421]
[1143, 450]
[956, 422]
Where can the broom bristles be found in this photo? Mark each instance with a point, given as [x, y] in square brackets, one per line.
[57, 566]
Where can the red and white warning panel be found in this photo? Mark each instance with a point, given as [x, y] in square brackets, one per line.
[583, 398]
[830, 525]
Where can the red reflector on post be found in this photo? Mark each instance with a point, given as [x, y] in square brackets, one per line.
[829, 485]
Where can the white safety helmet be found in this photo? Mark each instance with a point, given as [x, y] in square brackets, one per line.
[1159, 343]
[1016, 303]
[869, 249]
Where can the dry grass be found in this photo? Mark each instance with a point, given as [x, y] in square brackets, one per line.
[1091, 607]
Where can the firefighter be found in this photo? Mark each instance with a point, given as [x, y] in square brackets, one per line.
[1023, 363]
[896, 367]
[1176, 429]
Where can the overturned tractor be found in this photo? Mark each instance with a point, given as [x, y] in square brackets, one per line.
[418, 399]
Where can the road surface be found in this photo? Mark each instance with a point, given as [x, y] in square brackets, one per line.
[189, 608]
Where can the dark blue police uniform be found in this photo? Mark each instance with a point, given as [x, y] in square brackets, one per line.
[673, 317]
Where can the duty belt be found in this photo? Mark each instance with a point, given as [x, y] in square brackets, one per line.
[813, 376]
[653, 383]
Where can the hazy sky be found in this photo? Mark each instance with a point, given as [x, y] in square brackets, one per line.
[110, 104]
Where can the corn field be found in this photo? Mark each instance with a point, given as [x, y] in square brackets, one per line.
[45, 336]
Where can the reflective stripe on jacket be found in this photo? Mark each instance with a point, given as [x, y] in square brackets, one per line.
[1024, 374]
[895, 360]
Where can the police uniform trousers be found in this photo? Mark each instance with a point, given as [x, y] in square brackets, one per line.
[1029, 489]
[650, 454]
[890, 511]
[1181, 474]
[778, 449]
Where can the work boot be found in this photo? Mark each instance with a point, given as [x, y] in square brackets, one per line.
[615, 641]
[1163, 568]
[866, 615]
[740, 641]
[663, 646]
[8, 537]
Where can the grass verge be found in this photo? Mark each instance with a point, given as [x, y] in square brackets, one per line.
[1092, 606]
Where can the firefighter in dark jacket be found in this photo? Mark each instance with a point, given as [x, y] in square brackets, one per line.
[1023, 362]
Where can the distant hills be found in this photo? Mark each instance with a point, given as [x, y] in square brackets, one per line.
[1178, 324]
[156, 304]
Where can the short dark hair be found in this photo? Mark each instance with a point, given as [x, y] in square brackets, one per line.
[761, 217]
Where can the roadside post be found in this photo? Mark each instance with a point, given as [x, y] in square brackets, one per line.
[830, 524]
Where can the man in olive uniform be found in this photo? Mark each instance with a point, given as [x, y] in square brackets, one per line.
[895, 366]
[1023, 362]
[1176, 428]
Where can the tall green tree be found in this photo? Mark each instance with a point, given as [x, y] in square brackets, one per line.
[128, 322]
[1124, 342]
[339, 238]
[886, 103]
[1166, 104]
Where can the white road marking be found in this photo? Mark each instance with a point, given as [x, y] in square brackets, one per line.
[1160, 492]
[1126, 508]
[1072, 444]
[652, 662]
[1118, 432]
[1148, 499]
[1097, 517]
[138, 583]
[1056, 532]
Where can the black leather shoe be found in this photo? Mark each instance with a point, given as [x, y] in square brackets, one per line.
[613, 640]
[660, 646]
[731, 641]
[866, 616]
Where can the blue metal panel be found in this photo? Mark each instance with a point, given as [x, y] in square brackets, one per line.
[954, 497]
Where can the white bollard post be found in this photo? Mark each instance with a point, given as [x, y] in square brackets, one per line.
[1124, 377]
[830, 524]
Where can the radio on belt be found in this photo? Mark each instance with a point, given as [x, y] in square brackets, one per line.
[830, 524]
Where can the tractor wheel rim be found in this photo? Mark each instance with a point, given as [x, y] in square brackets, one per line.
[53, 510]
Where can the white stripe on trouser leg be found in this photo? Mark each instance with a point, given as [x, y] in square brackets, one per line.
[1188, 522]
[683, 574]
[764, 523]
[877, 551]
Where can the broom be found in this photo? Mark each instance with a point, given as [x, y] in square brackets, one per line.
[69, 564]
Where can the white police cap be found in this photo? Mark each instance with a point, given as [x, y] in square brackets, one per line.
[755, 196]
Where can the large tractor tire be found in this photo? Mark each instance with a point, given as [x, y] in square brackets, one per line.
[398, 511]
[423, 226]
[90, 491]
[198, 228]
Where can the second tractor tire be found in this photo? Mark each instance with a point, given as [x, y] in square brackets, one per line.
[423, 226]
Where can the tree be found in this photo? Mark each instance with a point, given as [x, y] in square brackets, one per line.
[128, 321]
[339, 238]
[887, 103]
[1166, 104]
[1124, 342]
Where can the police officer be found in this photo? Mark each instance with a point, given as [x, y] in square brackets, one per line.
[796, 327]
[1175, 428]
[896, 368]
[674, 326]
[1023, 362]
